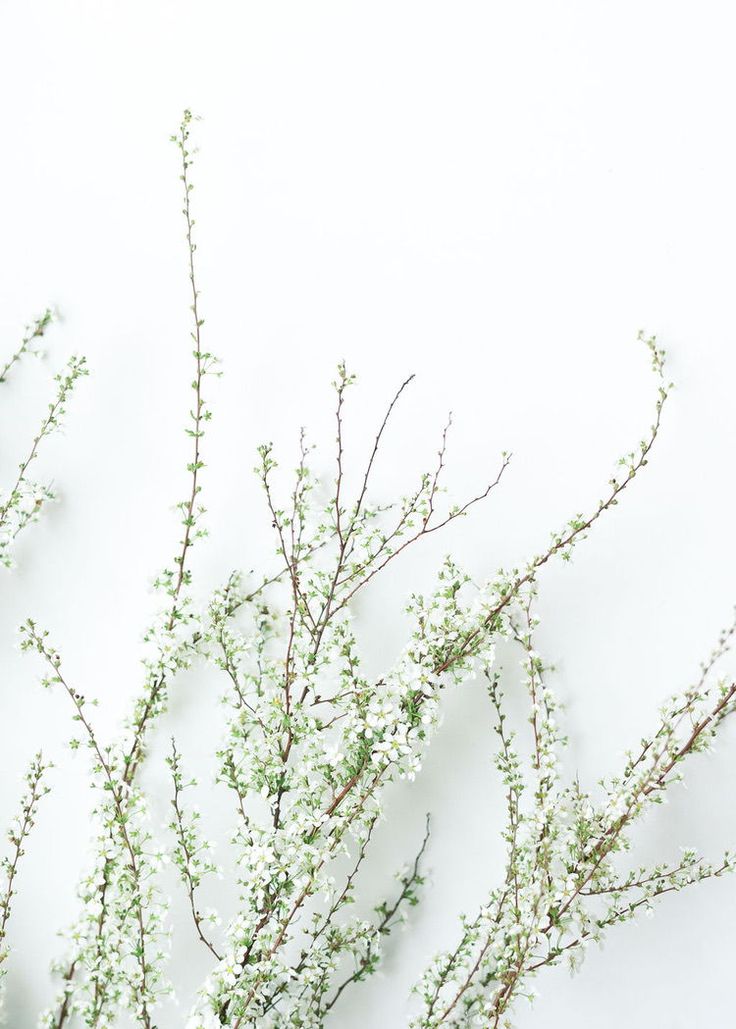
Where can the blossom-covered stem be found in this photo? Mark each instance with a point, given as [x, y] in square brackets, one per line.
[342, 382]
[722, 647]
[151, 702]
[426, 528]
[328, 917]
[625, 911]
[444, 974]
[382, 773]
[507, 989]
[591, 863]
[305, 893]
[199, 415]
[63, 1012]
[426, 496]
[409, 883]
[508, 763]
[188, 862]
[563, 542]
[99, 1000]
[542, 721]
[17, 835]
[534, 679]
[75, 368]
[117, 790]
[655, 781]
[299, 604]
[327, 921]
[712, 718]
[25, 499]
[640, 883]
[342, 588]
[563, 857]
[33, 332]
[450, 966]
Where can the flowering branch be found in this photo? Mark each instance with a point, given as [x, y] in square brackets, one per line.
[120, 814]
[562, 846]
[18, 833]
[367, 963]
[172, 639]
[190, 853]
[24, 500]
[33, 332]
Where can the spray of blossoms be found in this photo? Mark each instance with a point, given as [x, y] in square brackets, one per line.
[117, 946]
[17, 835]
[20, 505]
[570, 874]
[309, 744]
[23, 500]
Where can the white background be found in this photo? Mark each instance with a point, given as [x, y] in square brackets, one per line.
[496, 196]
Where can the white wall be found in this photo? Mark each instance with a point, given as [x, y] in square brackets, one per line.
[496, 196]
